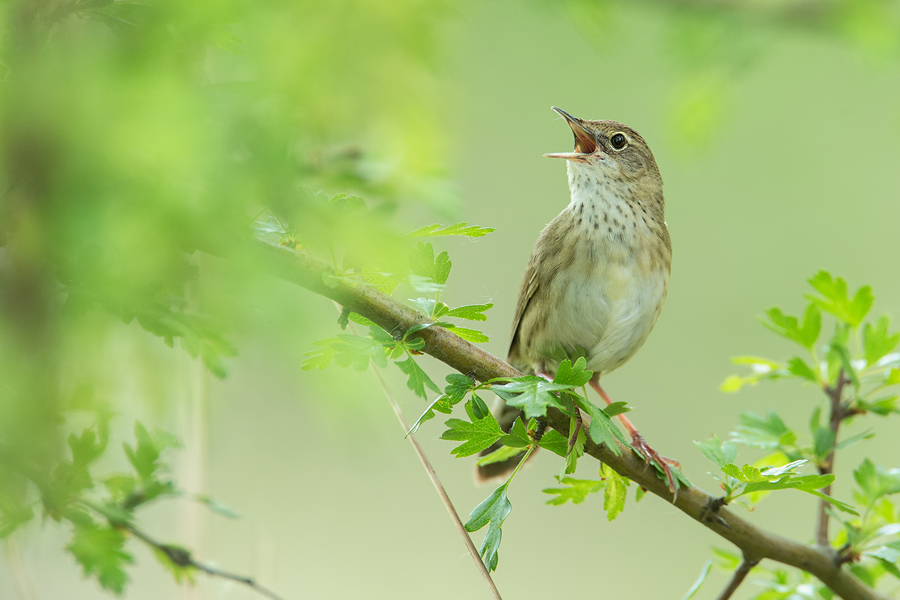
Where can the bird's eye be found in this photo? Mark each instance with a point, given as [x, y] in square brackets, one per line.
[618, 141]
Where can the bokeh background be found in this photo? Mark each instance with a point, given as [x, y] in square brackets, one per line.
[777, 131]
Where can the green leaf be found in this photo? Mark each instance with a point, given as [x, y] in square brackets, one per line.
[555, 443]
[763, 369]
[501, 454]
[421, 261]
[617, 408]
[786, 326]
[721, 453]
[876, 481]
[347, 351]
[834, 298]
[575, 491]
[493, 512]
[823, 442]
[878, 341]
[454, 393]
[145, 455]
[479, 408]
[602, 430]
[478, 434]
[847, 442]
[455, 229]
[798, 367]
[417, 379]
[442, 267]
[472, 312]
[573, 375]
[767, 432]
[577, 449]
[881, 406]
[531, 393]
[841, 506]
[615, 493]
[517, 436]
[100, 551]
[704, 572]
[470, 335]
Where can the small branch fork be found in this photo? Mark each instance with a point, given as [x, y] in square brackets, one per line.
[310, 272]
[183, 558]
[839, 412]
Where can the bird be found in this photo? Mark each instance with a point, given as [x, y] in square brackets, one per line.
[599, 272]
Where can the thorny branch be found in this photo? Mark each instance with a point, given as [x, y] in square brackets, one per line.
[310, 272]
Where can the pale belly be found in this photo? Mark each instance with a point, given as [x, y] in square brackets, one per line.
[609, 314]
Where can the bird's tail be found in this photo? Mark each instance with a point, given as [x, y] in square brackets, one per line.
[506, 415]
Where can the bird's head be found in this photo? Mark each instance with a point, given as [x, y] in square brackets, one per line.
[609, 153]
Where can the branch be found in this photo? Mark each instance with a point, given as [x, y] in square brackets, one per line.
[310, 272]
[838, 414]
[738, 577]
[183, 558]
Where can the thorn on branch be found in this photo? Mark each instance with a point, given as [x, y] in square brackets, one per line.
[711, 511]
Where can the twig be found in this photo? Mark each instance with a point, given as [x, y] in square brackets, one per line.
[738, 577]
[182, 558]
[310, 272]
[436, 482]
[838, 414]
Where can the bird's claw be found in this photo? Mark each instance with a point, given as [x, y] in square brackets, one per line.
[652, 456]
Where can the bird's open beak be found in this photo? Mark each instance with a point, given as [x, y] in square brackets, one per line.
[584, 140]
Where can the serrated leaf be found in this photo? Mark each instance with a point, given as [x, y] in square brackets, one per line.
[602, 430]
[442, 267]
[455, 229]
[470, 335]
[530, 393]
[875, 481]
[144, 456]
[767, 432]
[834, 298]
[555, 443]
[478, 434]
[100, 552]
[417, 379]
[493, 511]
[575, 491]
[472, 312]
[721, 453]
[421, 260]
[615, 493]
[573, 375]
[454, 393]
[787, 326]
[517, 436]
[878, 341]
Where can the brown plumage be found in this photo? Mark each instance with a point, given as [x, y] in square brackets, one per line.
[599, 272]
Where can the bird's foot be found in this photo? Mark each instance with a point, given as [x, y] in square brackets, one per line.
[651, 455]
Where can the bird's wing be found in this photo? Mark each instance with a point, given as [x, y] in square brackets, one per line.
[530, 285]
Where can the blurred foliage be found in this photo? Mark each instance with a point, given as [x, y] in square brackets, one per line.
[858, 370]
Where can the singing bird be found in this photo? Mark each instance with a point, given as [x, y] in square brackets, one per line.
[598, 274]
